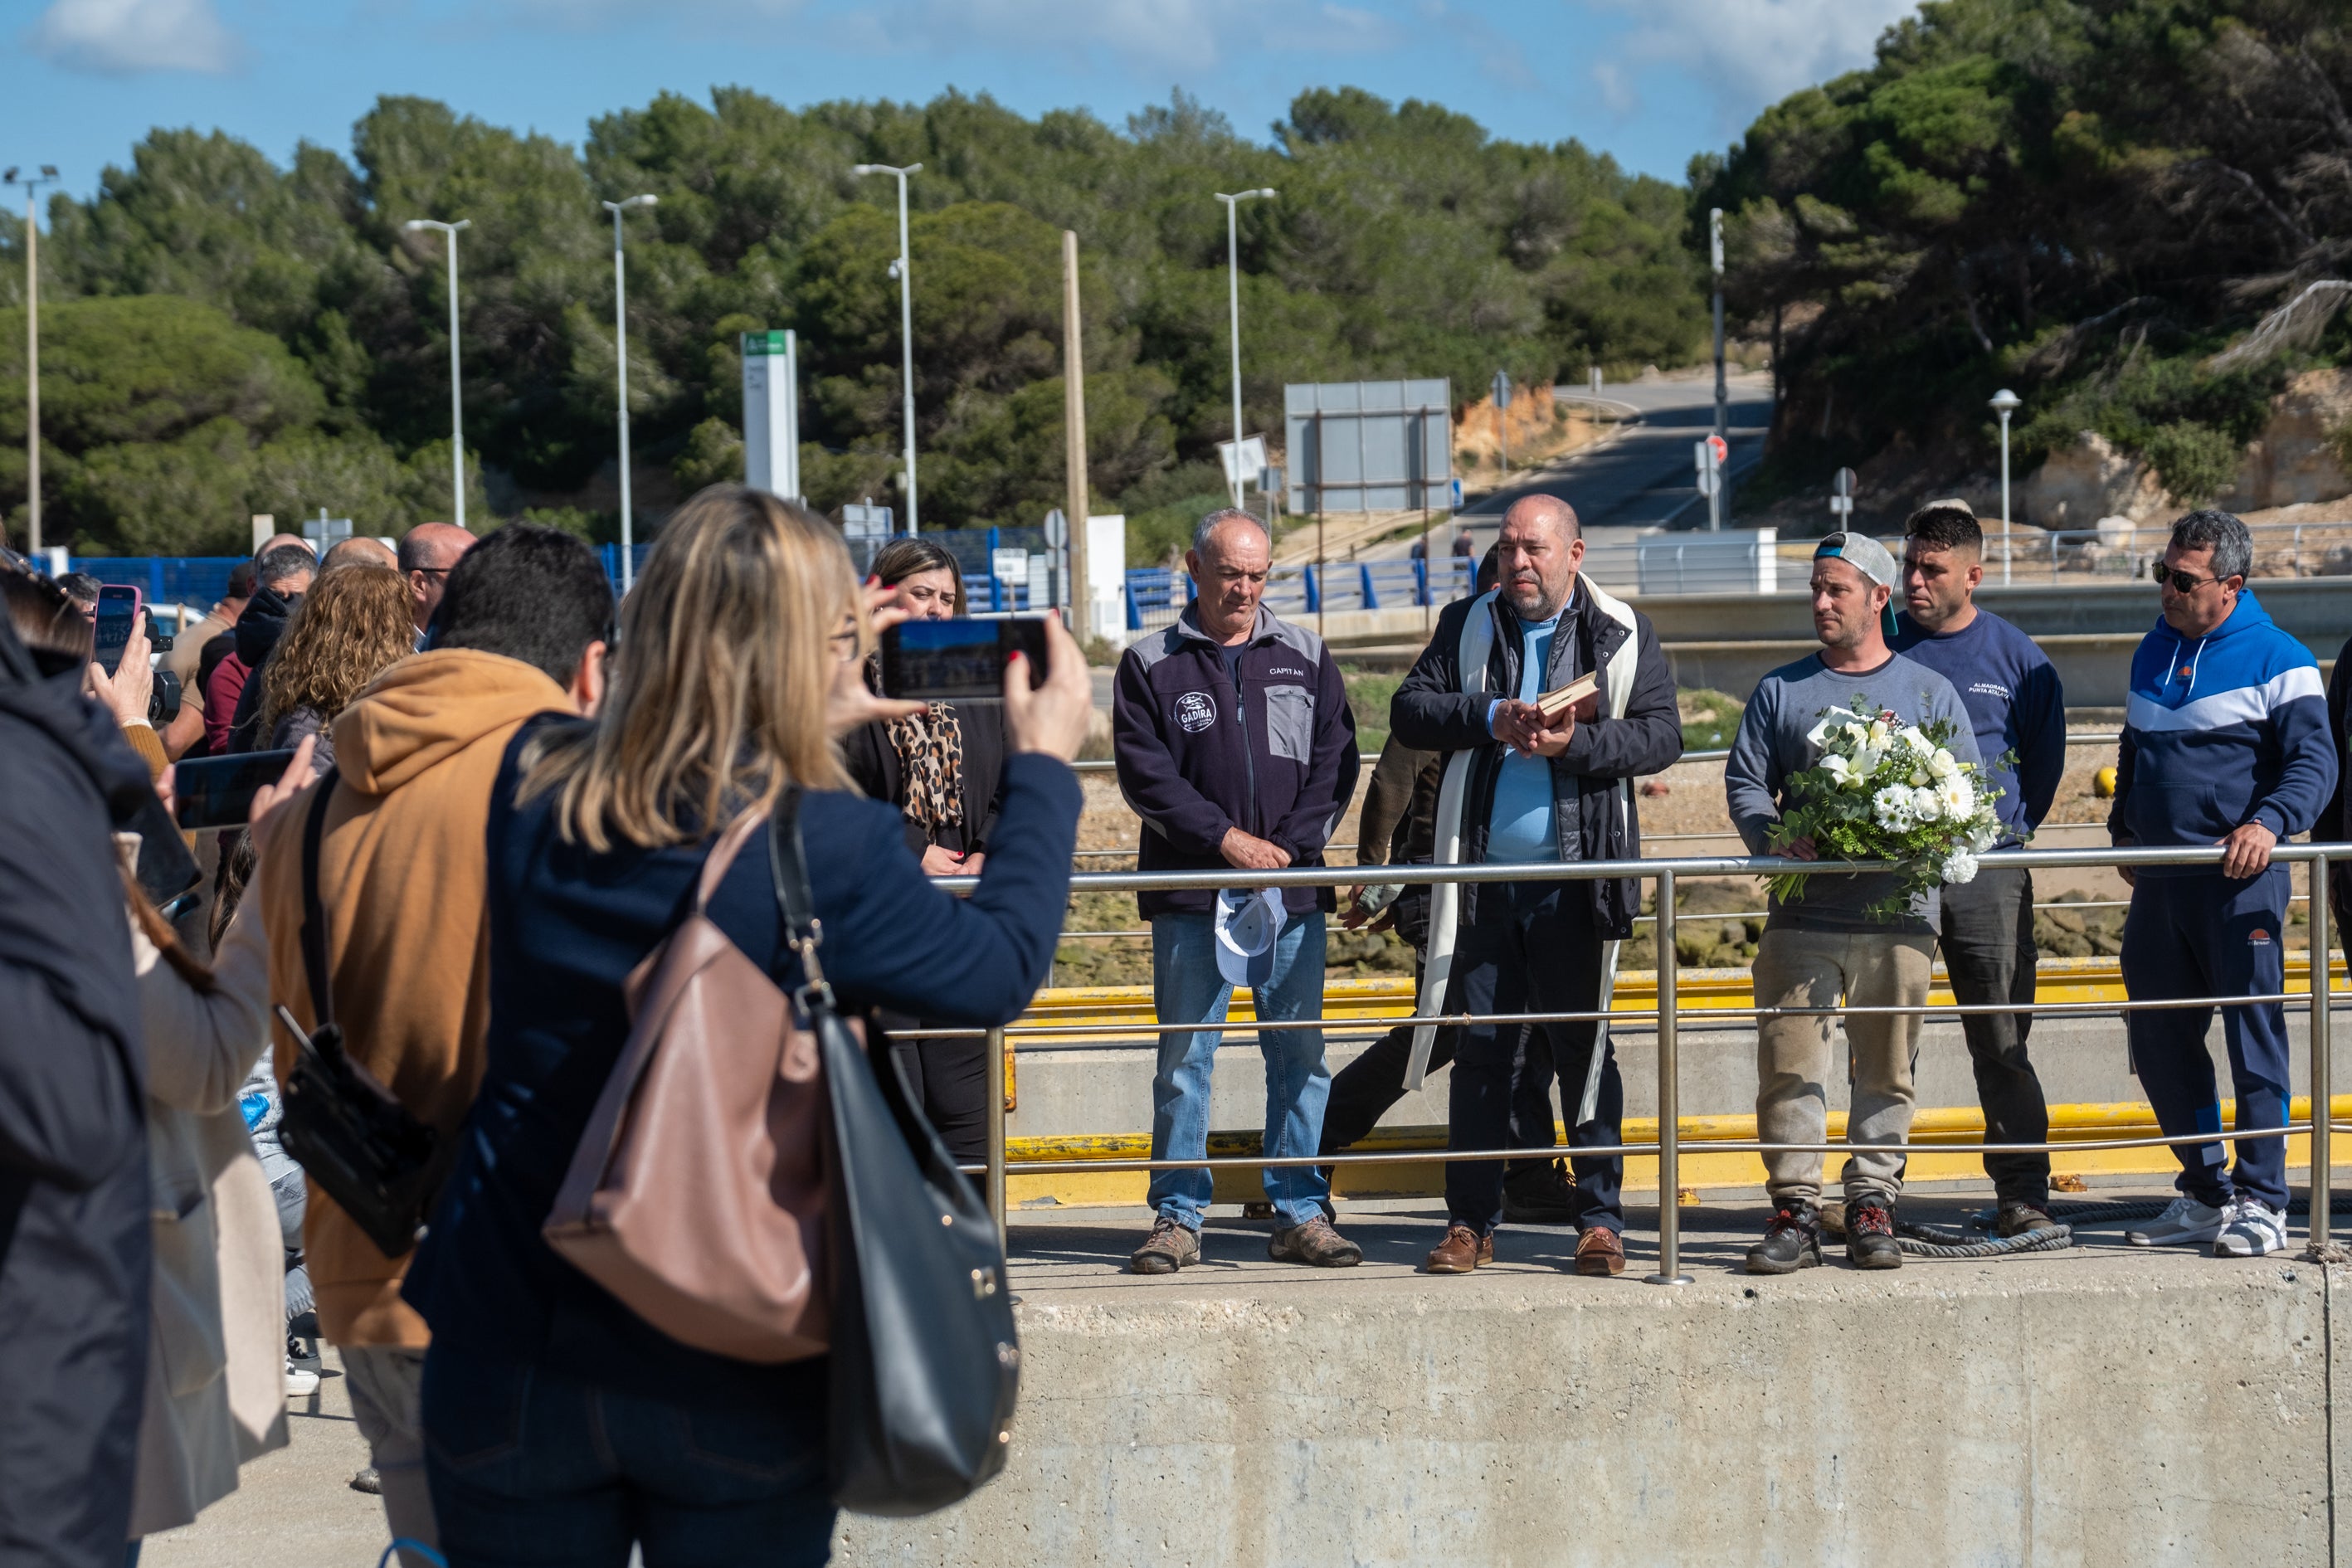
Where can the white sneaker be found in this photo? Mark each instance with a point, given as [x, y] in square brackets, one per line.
[2250, 1228]
[2184, 1222]
[300, 1383]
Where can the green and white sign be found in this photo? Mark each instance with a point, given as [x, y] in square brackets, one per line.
[772, 416]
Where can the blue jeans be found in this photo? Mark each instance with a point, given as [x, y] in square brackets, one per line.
[532, 1468]
[1187, 989]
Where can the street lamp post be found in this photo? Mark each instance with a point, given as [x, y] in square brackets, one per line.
[1233, 298]
[33, 183]
[621, 337]
[904, 271]
[2004, 403]
[456, 387]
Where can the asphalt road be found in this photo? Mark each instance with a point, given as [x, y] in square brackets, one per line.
[1643, 478]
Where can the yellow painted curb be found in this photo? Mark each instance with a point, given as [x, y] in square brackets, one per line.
[1931, 1129]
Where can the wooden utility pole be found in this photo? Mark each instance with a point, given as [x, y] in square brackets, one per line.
[1073, 421]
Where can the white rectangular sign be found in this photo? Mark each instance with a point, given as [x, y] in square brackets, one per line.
[1252, 460]
[771, 417]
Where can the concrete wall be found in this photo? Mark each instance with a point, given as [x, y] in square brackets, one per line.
[2099, 1408]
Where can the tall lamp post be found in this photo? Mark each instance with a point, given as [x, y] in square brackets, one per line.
[33, 183]
[904, 272]
[2004, 403]
[1233, 297]
[621, 337]
[456, 387]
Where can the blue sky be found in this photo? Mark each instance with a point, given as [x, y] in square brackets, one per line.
[1652, 81]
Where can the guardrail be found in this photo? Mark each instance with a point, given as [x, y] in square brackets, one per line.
[1666, 1016]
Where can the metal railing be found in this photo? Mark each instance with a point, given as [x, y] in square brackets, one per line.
[1666, 1018]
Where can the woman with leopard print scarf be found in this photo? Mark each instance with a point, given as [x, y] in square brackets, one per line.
[943, 769]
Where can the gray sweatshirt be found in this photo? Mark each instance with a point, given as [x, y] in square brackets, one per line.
[1771, 745]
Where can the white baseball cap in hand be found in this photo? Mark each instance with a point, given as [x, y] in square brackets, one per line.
[1249, 919]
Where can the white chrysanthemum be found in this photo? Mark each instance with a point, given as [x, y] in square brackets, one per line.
[1927, 805]
[1959, 798]
[1891, 809]
[1984, 835]
[1959, 866]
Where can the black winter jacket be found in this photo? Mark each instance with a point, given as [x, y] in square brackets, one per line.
[1276, 758]
[73, 1138]
[1431, 712]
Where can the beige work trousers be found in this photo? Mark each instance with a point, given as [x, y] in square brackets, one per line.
[1797, 968]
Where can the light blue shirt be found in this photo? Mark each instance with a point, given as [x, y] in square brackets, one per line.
[1524, 827]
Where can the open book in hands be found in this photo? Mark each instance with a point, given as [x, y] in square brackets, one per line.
[1555, 704]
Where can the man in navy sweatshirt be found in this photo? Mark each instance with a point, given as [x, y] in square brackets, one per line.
[1236, 746]
[1985, 926]
[2225, 742]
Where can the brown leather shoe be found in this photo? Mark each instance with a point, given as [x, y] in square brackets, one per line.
[1462, 1250]
[1600, 1251]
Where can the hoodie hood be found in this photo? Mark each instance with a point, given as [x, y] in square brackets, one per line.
[2247, 616]
[263, 623]
[430, 707]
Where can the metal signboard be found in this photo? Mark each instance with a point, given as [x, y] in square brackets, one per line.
[867, 522]
[771, 417]
[1370, 446]
[1252, 466]
[1842, 493]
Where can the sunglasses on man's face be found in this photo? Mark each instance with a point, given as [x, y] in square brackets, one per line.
[2181, 582]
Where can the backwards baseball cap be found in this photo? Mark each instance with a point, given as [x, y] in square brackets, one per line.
[1248, 920]
[1869, 557]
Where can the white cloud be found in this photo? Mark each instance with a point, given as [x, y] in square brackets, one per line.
[1752, 52]
[123, 37]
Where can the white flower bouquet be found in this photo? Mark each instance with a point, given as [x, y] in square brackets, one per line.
[1884, 789]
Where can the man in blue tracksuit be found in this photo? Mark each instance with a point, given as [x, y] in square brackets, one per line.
[2225, 742]
[1235, 745]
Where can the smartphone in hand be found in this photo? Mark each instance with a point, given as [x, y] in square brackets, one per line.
[959, 660]
[118, 614]
[217, 791]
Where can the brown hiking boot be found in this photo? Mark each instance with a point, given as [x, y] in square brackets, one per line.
[1168, 1248]
[1462, 1250]
[1600, 1251]
[1315, 1244]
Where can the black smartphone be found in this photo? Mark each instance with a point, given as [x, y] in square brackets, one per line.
[959, 661]
[217, 791]
[117, 612]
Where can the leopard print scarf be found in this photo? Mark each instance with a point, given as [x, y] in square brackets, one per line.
[931, 758]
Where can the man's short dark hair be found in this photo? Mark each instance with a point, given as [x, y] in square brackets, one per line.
[240, 582]
[1490, 568]
[533, 594]
[282, 566]
[2224, 533]
[1945, 525]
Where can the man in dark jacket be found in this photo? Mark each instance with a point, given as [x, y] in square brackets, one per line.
[1523, 787]
[233, 698]
[1236, 746]
[73, 1140]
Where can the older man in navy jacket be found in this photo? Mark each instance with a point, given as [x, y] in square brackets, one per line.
[1236, 747]
[2225, 742]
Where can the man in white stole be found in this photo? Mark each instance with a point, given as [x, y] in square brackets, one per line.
[1523, 789]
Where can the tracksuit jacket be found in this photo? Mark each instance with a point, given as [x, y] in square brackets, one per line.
[2226, 729]
[1269, 749]
[2222, 730]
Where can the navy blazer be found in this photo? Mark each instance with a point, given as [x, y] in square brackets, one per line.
[567, 927]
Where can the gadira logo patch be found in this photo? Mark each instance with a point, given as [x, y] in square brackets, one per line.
[1195, 712]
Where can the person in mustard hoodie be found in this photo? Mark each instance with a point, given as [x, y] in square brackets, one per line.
[521, 630]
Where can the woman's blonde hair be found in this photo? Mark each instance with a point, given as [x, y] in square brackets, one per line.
[716, 700]
[351, 628]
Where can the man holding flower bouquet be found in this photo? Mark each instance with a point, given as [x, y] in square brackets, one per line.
[1854, 752]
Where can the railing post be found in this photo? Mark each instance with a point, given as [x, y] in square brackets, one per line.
[996, 1131]
[1670, 1218]
[2322, 1091]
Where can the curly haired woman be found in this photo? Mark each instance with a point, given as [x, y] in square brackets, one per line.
[351, 628]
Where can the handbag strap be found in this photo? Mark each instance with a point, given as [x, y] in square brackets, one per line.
[803, 932]
[722, 856]
[314, 914]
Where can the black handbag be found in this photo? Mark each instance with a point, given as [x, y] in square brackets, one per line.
[365, 1150]
[926, 1363]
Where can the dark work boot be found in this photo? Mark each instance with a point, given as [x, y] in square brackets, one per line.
[1870, 1234]
[1792, 1240]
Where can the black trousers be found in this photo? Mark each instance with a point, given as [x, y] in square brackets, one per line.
[1985, 928]
[1533, 948]
[1362, 1091]
[947, 1080]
